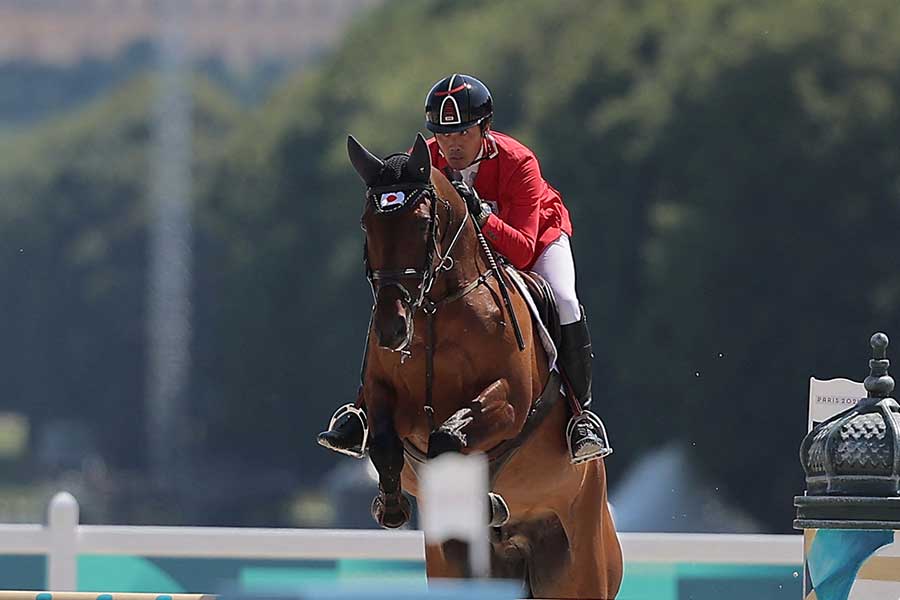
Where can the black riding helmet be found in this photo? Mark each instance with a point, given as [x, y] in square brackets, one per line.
[457, 102]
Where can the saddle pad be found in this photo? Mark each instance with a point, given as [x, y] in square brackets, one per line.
[546, 338]
[545, 301]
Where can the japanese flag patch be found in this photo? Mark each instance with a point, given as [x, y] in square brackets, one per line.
[390, 200]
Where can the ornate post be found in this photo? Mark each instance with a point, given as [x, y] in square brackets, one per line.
[850, 513]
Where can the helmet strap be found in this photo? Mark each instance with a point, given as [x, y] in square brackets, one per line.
[484, 125]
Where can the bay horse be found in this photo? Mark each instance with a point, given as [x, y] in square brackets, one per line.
[445, 371]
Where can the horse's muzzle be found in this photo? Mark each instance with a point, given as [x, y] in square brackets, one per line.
[393, 324]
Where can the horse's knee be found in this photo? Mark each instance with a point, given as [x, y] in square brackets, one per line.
[445, 440]
[506, 417]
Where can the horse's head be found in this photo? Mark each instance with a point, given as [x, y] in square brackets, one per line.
[402, 221]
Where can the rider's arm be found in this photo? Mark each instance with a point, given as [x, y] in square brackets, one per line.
[514, 233]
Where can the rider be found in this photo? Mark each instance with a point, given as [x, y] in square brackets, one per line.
[525, 220]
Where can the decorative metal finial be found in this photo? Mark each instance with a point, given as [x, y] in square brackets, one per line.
[879, 384]
[879, 342]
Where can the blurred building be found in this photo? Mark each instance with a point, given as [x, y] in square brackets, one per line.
[241, 32]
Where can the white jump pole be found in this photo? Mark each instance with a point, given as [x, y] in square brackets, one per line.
[455, 505]
[62, 522]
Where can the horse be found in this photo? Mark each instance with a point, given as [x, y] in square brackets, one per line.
[454, 364]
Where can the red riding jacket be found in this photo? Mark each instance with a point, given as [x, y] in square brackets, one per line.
[530, 213]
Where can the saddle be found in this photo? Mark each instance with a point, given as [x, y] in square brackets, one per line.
[542, 305]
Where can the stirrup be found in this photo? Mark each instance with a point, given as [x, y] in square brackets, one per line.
[593, 419]
[352, 409]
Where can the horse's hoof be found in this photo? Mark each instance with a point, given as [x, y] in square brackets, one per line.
[391, 512]
[441, 442]
[499, 510]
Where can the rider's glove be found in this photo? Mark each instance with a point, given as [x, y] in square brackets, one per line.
[479, 209]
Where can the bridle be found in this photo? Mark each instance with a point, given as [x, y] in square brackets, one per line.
[426, 276]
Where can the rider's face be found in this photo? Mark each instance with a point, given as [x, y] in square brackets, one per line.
[460, 148]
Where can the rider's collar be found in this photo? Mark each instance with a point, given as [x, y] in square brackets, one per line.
[489, 149]
[470, 172]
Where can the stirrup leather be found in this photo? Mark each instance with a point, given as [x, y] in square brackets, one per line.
[352, 409]
[594, 420]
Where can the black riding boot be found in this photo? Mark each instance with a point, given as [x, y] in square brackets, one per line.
[348, 432]
[585, 432]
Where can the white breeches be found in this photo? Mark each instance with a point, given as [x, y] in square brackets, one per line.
[556, 265]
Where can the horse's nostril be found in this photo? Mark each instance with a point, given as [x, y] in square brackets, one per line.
[393, 333]
[400, 329]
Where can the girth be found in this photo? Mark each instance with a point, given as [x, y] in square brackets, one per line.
[499, 455]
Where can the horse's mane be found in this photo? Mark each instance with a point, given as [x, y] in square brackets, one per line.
[444, 188]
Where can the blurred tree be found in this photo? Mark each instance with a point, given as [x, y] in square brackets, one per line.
[772, 223]
[73, 225]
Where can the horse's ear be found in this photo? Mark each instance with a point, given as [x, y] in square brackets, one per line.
[367, 165]
[419, 165]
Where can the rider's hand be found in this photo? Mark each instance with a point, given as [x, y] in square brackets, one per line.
[476, 207]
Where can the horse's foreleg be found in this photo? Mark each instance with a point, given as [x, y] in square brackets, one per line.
[482, 424]
[390, 508]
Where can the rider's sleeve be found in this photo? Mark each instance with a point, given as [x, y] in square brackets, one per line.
[514, 233]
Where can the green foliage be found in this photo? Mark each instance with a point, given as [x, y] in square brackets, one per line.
[73, 225]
